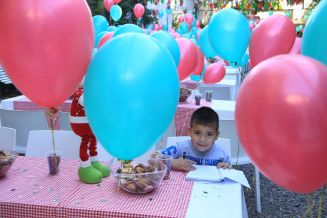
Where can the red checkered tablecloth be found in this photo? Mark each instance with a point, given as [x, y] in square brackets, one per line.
[28, 191]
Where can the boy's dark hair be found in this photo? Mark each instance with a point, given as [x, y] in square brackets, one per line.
[205, 116]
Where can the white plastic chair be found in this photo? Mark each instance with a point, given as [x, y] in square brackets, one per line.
[64, 121]
[40, 143]
[224, 144]
[7, 138]
[23, 121]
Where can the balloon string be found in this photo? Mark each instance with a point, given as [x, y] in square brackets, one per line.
[322, 200]
[52, 112]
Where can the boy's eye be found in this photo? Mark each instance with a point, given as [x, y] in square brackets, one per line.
[210, 134]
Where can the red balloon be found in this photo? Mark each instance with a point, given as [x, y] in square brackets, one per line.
[281, 119]
[105, 38]
[46, 47]
[117, 1]
[189, 18]
[296, 49]
[200, 63]
[189, 56]
[181, 18]
[214, 73]
[138, 10]
[108, 4]
[273, 36]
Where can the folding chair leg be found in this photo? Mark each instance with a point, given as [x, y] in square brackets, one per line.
[257, 189]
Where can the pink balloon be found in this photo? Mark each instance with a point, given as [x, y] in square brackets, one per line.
[46, 55]
[108, 4]
[189, 18]
[200, 63]
[181, 18]
[105, 38]
[188, 59]
[156, 27]
[273, 36]
[214, 73]
[138, 10]
[281, 119]
[197, 24]
[296, 49]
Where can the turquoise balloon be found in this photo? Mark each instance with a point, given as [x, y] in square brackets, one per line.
[314, 41]
[229, 34]
[131, 94]
[178, 30]
[170, 43]
[128, 28]
[111, 28]
[98, 37]
[183, 27]
[161, 13]
[198, 78]
[100, 24]
[115, 12]
[205, 45]
[165, 27]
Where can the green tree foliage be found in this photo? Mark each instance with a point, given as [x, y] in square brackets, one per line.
[128, 16]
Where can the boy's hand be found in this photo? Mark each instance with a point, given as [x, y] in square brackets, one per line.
[182, 164]
[224, 165]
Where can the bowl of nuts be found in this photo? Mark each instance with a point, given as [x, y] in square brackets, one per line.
[184, 93]
[139, 177]
[7, 158]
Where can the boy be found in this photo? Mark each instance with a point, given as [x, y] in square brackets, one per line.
[201, 149]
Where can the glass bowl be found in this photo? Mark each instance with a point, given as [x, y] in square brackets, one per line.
[7, 158]
[138, 177]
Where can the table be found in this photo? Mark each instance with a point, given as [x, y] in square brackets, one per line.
[28, 191]
[226, 89]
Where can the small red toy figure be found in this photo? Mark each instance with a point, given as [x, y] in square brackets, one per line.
[91, 170]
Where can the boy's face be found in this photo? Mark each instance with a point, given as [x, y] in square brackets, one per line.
[203, 137]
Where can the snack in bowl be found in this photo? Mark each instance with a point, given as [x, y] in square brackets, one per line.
[139, 178]
[184, 93]
[7, 158]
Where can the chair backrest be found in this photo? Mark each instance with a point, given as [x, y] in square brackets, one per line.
[64, 121]
[7, 138]
[223, 143]
[23, 122]
[40, 143]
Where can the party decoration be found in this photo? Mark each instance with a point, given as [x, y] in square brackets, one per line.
[128, 28]
[214, 73]
[127, 79]
[50, 60]
[105, 38]
[315, 34]
[138, 10]
[273, 36]
[170, 43]
[115, 12]
[100, 24]
[281, 121]
[188, 60]
[229, 34]
[200, 63]
[183, 27]
[189, 18]
[108, 4]
[296, 49]
[205, 45]
[98, 38]
[91, 170]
